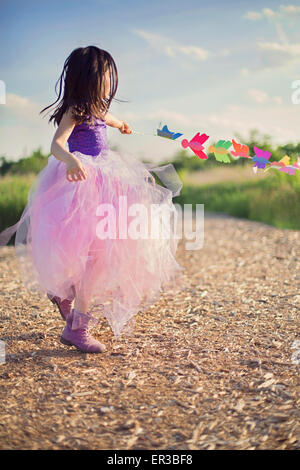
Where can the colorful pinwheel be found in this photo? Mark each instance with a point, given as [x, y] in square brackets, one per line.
[164, 132]
[220, 150]
[196, 144]
[240, 150]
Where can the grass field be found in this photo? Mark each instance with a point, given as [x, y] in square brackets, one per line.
[13, 197]
[272, 197]
[221, 174]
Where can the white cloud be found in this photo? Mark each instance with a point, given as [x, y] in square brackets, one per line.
[289, 9]
[23, 128]
[16, 101]
[169, 116]
[175, 50]
[193, 51]
[169, 51]
[261, 97]
[292, 50]
[284, 11]
[244, 72]
[253, 15]
[281, 33]
[258, 96]
[277, 54]
[268, 13]
[281, 123]
[129, 115]
[274, 54]
[172, 48]
[21, 106]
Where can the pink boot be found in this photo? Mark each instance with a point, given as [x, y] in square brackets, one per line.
[76, 333]
[64, 306]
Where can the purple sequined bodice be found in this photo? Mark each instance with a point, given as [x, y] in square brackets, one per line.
[89, 139]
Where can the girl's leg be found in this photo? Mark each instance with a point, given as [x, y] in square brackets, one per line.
[84, 288]
[81, 304]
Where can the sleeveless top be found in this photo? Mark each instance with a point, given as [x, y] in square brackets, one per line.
[89, 139]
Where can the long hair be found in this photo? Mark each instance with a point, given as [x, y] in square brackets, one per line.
[82, 83]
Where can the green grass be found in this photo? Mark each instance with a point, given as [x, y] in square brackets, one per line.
[13, 198]
[274, 200]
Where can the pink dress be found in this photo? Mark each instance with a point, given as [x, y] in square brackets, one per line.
[111, 238]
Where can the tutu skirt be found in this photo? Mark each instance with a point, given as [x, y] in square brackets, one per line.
[110, 239]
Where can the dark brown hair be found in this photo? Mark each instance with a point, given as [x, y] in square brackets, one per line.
[82, 81]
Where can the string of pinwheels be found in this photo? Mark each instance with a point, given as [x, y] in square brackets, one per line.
[222, 153]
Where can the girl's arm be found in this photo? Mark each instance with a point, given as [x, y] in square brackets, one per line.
[112, 121]
[74, 169]
[115, 122]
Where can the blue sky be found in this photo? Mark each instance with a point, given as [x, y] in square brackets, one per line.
[215, 67]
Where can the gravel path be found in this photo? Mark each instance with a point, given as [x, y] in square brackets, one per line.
[208, 366]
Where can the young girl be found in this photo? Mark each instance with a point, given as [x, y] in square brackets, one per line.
[60, 241]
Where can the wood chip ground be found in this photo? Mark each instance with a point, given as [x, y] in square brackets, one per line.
[208, 366]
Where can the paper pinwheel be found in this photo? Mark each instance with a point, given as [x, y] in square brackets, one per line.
[289, 169]
[293, 167]
[164, 132]
[196, 144]
[240, 150]
[261, 158]
[222, 153]
[296, 164]
[283, 163]
[284, 166]
[220, 150]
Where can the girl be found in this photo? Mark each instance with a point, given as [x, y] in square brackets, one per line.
[61, 243]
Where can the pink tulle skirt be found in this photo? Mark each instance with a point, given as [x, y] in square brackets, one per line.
[110, 239]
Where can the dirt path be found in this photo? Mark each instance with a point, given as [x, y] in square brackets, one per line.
[208, 367]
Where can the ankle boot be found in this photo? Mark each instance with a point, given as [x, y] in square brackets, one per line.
[76, 333]
[64, 305]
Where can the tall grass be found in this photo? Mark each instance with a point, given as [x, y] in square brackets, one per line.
[13, 198]
[274, 200]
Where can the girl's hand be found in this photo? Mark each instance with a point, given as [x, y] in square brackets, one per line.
[75, 170]
[125, 128]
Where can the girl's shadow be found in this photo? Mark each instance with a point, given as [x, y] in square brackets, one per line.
[40, 353]
[43, 354]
